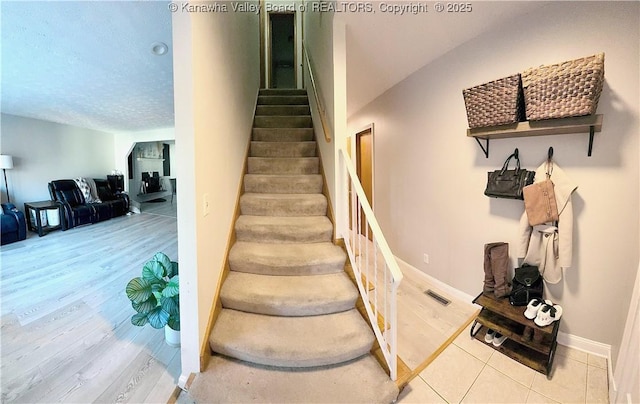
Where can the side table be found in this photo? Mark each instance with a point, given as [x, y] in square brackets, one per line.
[34, 211]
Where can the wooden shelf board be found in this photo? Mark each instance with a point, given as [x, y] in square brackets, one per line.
[513, 313]
[515, 331]
[561, 126]
[520, 353]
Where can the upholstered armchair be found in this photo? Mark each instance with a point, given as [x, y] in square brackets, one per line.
[13, 224]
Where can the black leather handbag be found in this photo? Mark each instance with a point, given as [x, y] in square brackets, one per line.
[527, 285]
[505, 183]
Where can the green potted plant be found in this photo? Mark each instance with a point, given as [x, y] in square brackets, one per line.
[155, 297]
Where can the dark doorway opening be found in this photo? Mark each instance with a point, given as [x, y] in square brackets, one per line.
[283, 55]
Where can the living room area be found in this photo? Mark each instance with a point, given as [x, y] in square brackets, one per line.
[66, 323]
[71, 337]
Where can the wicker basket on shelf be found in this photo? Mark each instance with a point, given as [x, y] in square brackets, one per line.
[565, 89]
[498, 102]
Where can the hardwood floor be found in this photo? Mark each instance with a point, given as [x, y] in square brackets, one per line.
[65, 333]
[166, 208]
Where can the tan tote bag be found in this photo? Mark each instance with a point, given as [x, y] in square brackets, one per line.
[540, 202]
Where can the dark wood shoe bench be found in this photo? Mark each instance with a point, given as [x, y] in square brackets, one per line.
[526, 343]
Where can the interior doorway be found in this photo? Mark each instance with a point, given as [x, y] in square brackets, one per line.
[282, 50]
[364, 167]
[151, 177]
[364, 161]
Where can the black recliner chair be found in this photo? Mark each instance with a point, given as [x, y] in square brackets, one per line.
[76, 211]
[118, 202]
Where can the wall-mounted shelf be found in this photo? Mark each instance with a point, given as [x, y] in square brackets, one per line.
[583, 124]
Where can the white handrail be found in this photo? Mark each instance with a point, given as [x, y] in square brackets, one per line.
[323, 114]
[374, 265]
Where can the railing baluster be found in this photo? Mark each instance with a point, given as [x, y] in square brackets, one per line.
[381, 299]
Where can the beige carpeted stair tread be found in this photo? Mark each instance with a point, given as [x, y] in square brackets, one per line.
[283, 110]
[360, 381]
[286, 166]
[283, 149]
[282, 134]
[272, 229]
[283, 100]
[288, 316]
[287, 259]
[282, 121]
[283, 204]
[283, 184]
[283, 91]
[291, 341]
[288, 295]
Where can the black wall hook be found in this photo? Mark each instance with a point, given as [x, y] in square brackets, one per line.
[515, 153]
[550, 154]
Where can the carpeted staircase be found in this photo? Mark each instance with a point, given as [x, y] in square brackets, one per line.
[289, 331]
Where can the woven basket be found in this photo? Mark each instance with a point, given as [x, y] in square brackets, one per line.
[498, 102]
[564, 90]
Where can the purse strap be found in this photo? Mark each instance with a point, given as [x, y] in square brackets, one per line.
[505, 166]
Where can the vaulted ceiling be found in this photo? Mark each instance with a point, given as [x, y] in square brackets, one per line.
[383, 48]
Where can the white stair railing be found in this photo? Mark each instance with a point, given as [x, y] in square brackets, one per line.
[375, 268]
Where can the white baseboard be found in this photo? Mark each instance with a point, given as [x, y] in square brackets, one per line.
[591, 347]
[437, 283]
[585, 345]
[182, 381]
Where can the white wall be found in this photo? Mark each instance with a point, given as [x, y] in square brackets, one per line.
[216, 81]
[44, 151]
[429, 177]
[318, 37]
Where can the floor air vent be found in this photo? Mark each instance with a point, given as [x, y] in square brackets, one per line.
[443, 301]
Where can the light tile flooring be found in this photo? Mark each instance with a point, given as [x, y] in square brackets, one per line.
[470, 372]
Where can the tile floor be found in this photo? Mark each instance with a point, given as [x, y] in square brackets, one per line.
[470, 372]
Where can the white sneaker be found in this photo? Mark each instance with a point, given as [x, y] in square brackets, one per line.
[547, 314]
[498, 339]
[534, 306]
[488, 338]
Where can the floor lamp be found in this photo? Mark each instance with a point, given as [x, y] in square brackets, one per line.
[6, 163]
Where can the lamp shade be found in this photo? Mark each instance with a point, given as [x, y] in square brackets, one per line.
[6, 161]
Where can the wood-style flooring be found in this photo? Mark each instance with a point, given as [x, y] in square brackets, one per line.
[65, 333]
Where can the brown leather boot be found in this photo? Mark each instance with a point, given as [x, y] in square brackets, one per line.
[489, 282]
[500, 267]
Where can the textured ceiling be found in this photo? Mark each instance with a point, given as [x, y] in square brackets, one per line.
[87, 63]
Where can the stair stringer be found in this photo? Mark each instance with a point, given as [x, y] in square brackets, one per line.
[216, 307]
